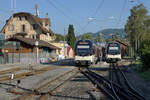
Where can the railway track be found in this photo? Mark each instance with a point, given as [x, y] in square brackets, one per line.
[117, 87]
[111, 87]
[23, 74]
[39, 93]
[100, 82]
[123, 81]
[10, 70]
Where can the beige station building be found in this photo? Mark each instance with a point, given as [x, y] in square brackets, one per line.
[27, 28]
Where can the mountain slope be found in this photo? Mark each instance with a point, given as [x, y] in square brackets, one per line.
[107, 33]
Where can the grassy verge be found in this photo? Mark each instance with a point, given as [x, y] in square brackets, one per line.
[145, 74]
[138, 67]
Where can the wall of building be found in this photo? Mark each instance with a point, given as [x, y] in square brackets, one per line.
[60, 45]
[31, 33]
[17, 24]
[23, 49]
[46, 37]
[27, 58]
[69, 53]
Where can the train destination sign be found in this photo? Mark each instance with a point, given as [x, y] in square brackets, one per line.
[83, 46]
[113, 48]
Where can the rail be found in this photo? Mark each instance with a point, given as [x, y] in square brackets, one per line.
[135, 94]
[114, 90]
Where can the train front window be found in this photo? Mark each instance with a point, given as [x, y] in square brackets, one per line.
[83, 50]
[113, 50]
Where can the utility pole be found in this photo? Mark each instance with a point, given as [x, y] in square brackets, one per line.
[11, 25]
[36, 10]
[37, 51]
[64, 44]
[13, 7]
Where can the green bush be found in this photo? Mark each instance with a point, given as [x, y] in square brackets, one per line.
[145, 54]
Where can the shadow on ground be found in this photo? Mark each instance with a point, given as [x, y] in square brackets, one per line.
[65, 62]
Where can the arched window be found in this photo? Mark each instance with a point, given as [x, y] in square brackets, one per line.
[23, 28]
[11, 27]
[19, 18]
[26, 17]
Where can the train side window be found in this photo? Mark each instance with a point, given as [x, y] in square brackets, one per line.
[93, 51]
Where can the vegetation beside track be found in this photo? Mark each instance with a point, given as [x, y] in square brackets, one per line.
[138, 68]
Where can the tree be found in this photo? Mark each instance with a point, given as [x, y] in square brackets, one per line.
[108, 40]
[145, 53]
[71, 39]
[117, 36]
[87, 36]
[59, 37]
[138, 31]
[98, 38]
[135, 27]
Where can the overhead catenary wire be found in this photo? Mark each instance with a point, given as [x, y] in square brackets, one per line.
[68, 11]
[122, 12]
[98, 8]
[94, 14]
[60, 4]
[63, 13]
[5, 11]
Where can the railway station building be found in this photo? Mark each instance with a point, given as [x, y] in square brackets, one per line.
[124, 47]
[25, 28]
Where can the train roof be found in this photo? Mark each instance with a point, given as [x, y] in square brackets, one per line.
[89, 41]
[113, 42]
[84, 40]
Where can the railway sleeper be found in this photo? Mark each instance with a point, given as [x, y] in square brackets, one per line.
[107, 84]
[99, 86]
[122, 91]
[130, 88]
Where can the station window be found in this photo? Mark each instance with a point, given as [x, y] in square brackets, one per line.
[46, 24]
[19, 18]
[35, 26]
[23, 28]
[41, 24]
[26, 17]
[34, 36]
[11, 27]
[30, 36]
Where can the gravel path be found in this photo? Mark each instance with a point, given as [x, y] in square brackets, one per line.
[79, 88]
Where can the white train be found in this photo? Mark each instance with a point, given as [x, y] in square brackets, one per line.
[86, 53]
[113, 52]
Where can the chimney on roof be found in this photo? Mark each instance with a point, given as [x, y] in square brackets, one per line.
[46, 15]
[36, 10]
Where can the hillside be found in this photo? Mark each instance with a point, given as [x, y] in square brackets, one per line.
[107, 33]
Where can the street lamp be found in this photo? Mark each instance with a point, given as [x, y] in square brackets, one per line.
[64, 44]
[37, 50]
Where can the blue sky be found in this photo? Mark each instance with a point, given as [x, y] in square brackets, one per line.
[81, 13]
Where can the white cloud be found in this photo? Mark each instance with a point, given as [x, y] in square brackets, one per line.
[111, 17]
[91, 19]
